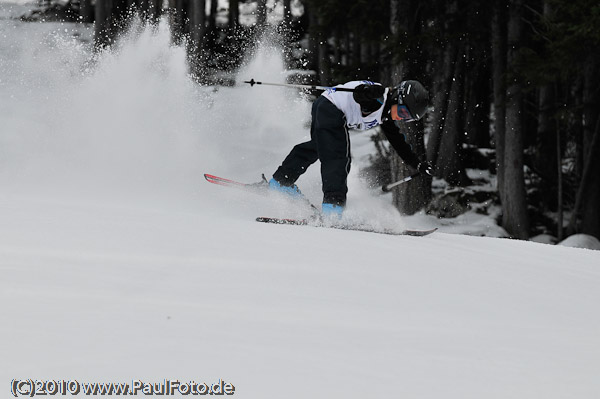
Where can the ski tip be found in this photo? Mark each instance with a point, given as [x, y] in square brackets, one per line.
[418, 233]
[211, 178]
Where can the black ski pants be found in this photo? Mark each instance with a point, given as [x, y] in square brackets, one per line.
[329, 143]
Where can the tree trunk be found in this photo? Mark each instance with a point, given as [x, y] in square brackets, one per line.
[590, 223]
[591, 87]
[449, 164]
[197, 26]
[444, 148]
[515, 219]
[155, 10]
[559, 174]
[442, 86]
[86, 11]
[409, 198]
[499, 88]
[337, 48]
[412, 196]
[313, 38]
[234, 14]
[261, 13]
[348, 48]
[212, 16]
[588, 193]
[357, 48]
[179, 16]
[591, 100]
[102, 16]
[397, 70]
[110, 15]
[544, 159]
[476, 104]
[143, 8]
[324, 63]
[287, 13]
[576, 123]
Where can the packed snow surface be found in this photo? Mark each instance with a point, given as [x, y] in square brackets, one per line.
[120, 263]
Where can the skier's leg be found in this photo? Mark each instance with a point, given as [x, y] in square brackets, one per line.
[333, 147]
[299, 159]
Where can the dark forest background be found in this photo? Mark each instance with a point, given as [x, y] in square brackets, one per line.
[514, 85]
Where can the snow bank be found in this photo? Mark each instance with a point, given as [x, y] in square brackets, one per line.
[581, 241]
[544, 239]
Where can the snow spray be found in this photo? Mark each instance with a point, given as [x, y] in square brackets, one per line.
[130, 120]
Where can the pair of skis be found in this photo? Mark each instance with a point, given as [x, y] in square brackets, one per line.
[317, 221]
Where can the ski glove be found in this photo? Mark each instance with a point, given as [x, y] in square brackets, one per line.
[368, 92]
[425, 168]
[370, 97]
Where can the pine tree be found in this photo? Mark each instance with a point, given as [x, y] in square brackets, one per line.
[515, 219]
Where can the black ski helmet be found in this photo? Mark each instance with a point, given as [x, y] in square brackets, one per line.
[414, 96]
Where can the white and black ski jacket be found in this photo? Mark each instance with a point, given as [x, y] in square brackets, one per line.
[355, 119]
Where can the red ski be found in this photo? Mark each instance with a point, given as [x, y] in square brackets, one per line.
[260, 186]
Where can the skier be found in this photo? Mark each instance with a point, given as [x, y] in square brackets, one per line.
[333, 113]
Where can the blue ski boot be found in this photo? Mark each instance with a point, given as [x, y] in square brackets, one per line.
[292, 191]
[332, 212]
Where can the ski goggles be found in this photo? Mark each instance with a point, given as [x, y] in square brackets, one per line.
[401, 113]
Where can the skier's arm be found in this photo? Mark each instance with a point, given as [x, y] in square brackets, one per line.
[398, 142]
[370, 97]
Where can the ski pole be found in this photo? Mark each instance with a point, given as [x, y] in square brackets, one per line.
[388, 187]
[253, 82]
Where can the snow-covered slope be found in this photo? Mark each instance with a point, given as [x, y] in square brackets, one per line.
[94, 291]
[118, 262]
